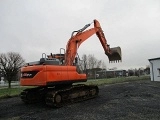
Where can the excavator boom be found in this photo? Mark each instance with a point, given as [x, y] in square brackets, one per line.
[114, 54]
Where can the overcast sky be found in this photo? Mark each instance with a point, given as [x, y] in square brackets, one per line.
[33, 27]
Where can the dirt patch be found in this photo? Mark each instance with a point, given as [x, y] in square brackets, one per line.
[133, 100]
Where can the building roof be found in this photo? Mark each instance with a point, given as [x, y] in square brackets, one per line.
[154, 59]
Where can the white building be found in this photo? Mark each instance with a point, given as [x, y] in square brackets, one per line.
[155, 69]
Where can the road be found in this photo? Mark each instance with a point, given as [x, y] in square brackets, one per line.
[134, 100]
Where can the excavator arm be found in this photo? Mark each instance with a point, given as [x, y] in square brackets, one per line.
[114, 54]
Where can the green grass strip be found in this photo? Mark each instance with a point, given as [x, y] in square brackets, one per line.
[10, 92]
[115, 80]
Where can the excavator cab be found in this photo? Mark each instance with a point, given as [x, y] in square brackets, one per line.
[115, 54]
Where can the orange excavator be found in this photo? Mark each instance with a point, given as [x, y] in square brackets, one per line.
[54, 74]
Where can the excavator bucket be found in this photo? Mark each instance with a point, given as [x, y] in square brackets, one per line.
[115, 55]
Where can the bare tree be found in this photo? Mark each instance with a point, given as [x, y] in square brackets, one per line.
[147, 69]
[104, 65]
[10, 64]
[92, 61]
[84, 58]
[99, 63]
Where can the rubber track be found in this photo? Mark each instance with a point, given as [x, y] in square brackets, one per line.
[66, 95]
[70, 95]
[31, 95]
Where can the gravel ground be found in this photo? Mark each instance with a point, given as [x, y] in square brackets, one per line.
[132, 100]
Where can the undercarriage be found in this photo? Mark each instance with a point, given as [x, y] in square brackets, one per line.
[58, 96]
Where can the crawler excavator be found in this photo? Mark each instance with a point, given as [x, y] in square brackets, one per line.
[53, 75]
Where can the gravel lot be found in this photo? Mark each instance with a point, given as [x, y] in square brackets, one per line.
[132, 100]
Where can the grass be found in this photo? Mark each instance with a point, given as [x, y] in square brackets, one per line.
[10, 92]
[115, 80]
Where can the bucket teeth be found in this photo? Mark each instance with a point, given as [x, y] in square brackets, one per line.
[115, 61]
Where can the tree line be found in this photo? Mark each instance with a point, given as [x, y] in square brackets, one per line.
[94, 67]
[91, 62]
